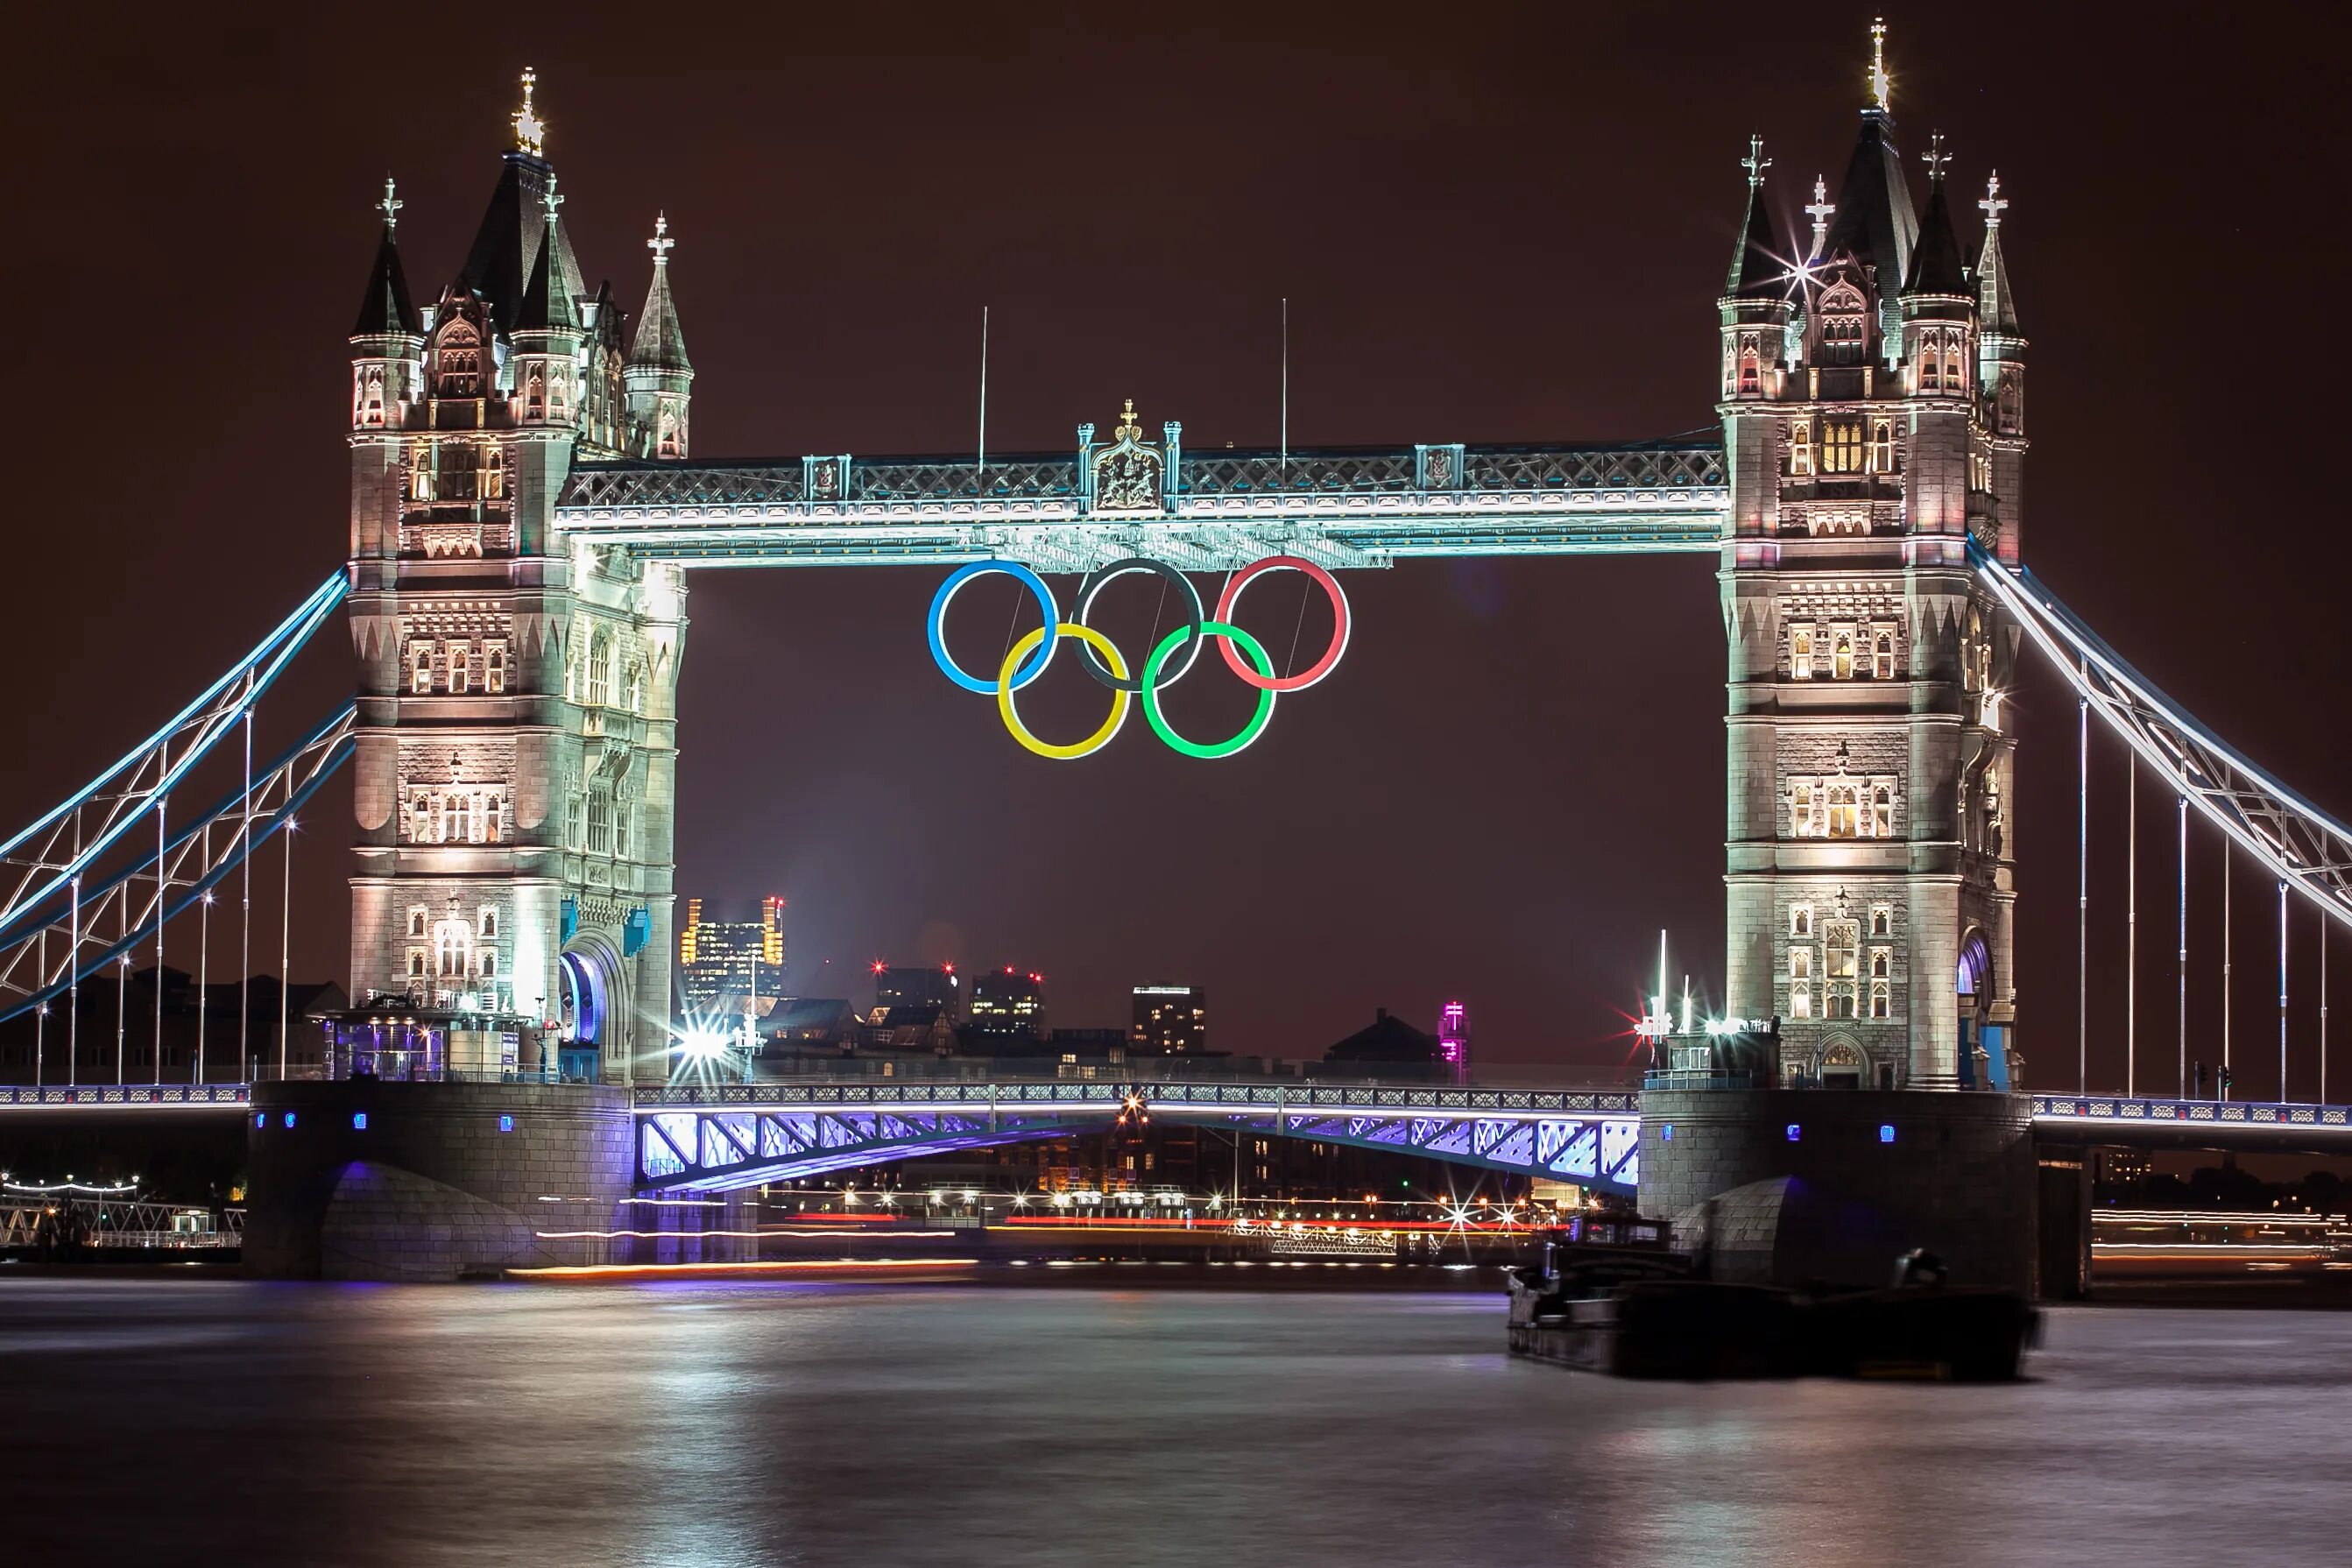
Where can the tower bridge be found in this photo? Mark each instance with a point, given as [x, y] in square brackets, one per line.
[527, 512]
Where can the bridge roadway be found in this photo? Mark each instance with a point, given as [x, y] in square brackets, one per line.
[713, 1138]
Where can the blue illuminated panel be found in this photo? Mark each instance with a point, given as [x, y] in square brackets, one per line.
[359, 1120]
[1795, 1132]
[505, 1124]
[1887, 1132]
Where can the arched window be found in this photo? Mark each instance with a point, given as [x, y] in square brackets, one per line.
[490, 965]
[494, 473]
[1748, 380]
[1881, 811]
[535, 393]
[667, 443]
[1882, 447]
[493, 819]
[454, 947]
[1800, 448]
[420, 678]
[1882, 920]
[416, 922]
[1802, 821]
[1930, 368]
[600, 822]
[1882, 656]
[1841, 656]
[420, 831]
[1841, 447]
[1801, 981]
[494, 667]
[559, 397]
[416, 961]
[574, 823]
[461, 666]
[458, 360]
[488, 925]
[1956, 378]
[1845, 810]
[1841, 939]
[600, 669]
[457, 818]
[1800, 653]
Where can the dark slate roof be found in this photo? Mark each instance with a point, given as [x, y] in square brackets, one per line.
[659, 343]
[507, 245]
[1936, 264]
[1876, 220]
[1996, 304]
[533, 313]
[1389, 1038]
[387, 308]
[1757, 273]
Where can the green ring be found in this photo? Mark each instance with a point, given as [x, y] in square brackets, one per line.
[1159, 656]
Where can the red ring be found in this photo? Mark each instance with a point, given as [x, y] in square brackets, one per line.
[1341, 624]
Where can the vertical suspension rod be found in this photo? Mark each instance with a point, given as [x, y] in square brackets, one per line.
[2083, 896]
[204, 962]
[163, 807]
[2181, 1003]
[2131, 933]
[286, 928]
[2282, 991]
[2225, 965]
[245, 960]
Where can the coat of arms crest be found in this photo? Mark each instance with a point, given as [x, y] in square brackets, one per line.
[1127, 472]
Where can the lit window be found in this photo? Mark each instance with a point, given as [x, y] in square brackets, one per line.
[1801, 920]
[535, 393]
[494, 667]
[1882, 999]
[1882, 919]
[600, 822]
[1801, 982]
[1882, 656]
[420, 678]
[420, 831]
[1841, 939]
[1802, 805]
[461, 663]
[493, 819]
[1842, 655]
[1748, 367]
[490, 965]
[1841, 449]
[488, 924]
[457, 818]
[415, 962]
[1881, 811]
[1956, 378]
[1800, 653]
[1882, 447]
[1800, 448]
[1845, 810]
[600, 669]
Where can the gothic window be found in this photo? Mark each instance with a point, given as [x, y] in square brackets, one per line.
[634, 693]
[1882, 963]
[1841, 654]
[1882, 656]
[1881, 811]
[1845, 808]
[488, 925]
[600, 669]
[1801, 981]
[493, 819]
[494, 667]
[457, 360]
[416, 921]
[1840, 938]
[1882, 447]
[1930, 365]
[1800, 653]
[494, 473]
[1801, 920]
[600, 822]
[421, 484]
[1955, 379]
[621, 815]
[457, 818]
[1882, 999]
[574, 823]
[420, 831]
[535, 393]
[454, 948]
[1748, 379]
[1804, 806]
[490, 965]
[370, 409]
[667, 443]
[559, 397]
[1882, 919]
[420, 678]
[461, 658]
[1841, 447]
[1800, 448]
[416, 961]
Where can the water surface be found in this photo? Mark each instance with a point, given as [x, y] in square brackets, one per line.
[712, 1426]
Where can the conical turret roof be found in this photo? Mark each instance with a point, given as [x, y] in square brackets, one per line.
[1875, 221]
[1757, 272]
[1995, 305]
[1935, 264]
[659, 344]
[386, 311]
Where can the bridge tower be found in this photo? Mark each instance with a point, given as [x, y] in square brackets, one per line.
[1871, 399]
[516, 738]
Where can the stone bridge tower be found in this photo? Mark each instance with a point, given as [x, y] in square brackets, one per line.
[1871, 403]
[517, 734]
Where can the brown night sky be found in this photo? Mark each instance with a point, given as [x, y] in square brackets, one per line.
[1493, 224]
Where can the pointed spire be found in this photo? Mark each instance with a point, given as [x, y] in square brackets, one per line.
[659, 344]
[386, 311]
[1935, 264]
[1819, 210]
[1757, 271]
[537, 312]
[1881, 85]
[1995, 305]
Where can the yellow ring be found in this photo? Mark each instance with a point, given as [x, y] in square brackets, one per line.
[1118, 699]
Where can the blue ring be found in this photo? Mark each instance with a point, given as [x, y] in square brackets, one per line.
[937, 625]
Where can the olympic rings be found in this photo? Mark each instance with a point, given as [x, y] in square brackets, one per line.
[1341, 624]
[1088, 636]
[1026, 659]
[954, 585]
[1247, 733]
[1100, 578]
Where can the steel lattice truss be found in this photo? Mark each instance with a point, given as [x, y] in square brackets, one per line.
[741, 1136]
[2304, 847]
[1222, 510]
[97, 876]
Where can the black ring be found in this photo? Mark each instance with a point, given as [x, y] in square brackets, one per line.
[1096, 579]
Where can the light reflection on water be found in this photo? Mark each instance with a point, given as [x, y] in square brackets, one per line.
[711, 1426]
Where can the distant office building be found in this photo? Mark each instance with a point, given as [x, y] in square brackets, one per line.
[1008, 1002]
[903, 986]
[1173, 1019]
[732, 967]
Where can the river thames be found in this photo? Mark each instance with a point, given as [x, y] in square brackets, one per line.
[724, 1426]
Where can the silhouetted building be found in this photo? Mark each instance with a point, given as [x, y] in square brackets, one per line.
[1008, 1002]
[732, 967]
[1171, 1018]
[1388, 1041]
[905, 985]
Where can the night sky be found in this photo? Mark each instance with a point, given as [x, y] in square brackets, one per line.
[1492, 225]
